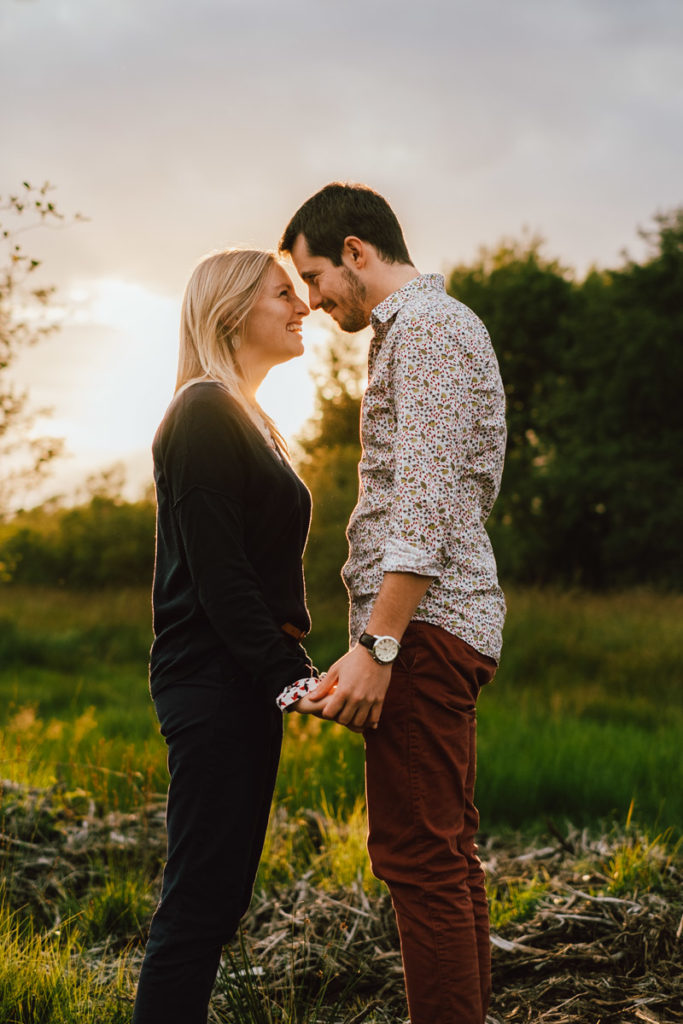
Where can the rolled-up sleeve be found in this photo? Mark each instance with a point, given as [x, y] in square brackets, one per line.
[429, 381]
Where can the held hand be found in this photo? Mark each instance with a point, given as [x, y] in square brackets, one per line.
[306, 706]
[313, 703]
[358, 686]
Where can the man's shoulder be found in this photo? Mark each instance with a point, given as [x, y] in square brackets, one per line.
[438, 309]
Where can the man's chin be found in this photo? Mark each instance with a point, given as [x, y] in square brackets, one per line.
[350, 323]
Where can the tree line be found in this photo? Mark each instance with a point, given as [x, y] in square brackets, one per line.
[592, 491]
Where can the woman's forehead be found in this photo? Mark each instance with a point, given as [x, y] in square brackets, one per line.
[278, 275]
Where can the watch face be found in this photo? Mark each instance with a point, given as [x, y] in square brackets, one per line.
[385, 649]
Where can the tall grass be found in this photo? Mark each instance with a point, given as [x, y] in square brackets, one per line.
[585, 713]
[45, 980]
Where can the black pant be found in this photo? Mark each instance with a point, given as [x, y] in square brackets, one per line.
[223, 736]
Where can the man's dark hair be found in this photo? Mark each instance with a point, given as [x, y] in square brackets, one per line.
[340, 210]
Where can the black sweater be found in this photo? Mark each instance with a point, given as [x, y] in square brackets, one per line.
[232, 521]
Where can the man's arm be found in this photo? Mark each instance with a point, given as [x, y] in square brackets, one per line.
[431, 397]
[361, 684]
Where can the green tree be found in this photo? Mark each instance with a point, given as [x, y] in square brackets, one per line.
[592, 490]
[329, 452]
[339, 384]
[618, 421]
[526, 301]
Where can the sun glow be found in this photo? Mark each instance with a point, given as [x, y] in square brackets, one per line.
[109, 374]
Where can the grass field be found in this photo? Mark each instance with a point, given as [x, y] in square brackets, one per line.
[582, 724]
[585, 714]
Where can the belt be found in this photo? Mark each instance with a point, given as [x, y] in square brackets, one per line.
[291, 630]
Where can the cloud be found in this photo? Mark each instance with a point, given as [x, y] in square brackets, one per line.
[180, 128]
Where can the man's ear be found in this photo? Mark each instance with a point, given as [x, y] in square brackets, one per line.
[355, 252]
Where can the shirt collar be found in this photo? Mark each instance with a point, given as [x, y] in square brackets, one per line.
[416, 286]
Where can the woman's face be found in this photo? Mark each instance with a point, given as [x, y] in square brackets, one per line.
[272, 331]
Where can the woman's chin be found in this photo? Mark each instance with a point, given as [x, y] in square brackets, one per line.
[296, 349]
[293, 351]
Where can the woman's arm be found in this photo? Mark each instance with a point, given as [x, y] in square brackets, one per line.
[212, 531]
[207, 455]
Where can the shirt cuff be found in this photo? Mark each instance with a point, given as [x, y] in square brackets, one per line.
[294, 692]
[400, 556]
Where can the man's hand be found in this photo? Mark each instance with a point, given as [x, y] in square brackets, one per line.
[356, 691]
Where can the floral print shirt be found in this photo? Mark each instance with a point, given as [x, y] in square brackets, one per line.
[433, 436]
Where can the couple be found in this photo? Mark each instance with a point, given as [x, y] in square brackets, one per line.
[230, 611]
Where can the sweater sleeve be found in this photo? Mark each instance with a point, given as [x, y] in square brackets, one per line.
[206, 464]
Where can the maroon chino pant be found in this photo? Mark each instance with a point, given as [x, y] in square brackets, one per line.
[420, 770]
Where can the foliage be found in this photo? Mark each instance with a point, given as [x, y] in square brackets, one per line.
[343, 859]
[330, 450]
[331, 475]
[514, 900]
[26, 317]
[339, 382]
[119, 910]
[638, 864]
[592, 491]
[105, 542]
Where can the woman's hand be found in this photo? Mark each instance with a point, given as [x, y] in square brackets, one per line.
[313, 703]
[305, 706]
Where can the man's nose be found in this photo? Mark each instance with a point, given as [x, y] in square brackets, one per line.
[314, 298]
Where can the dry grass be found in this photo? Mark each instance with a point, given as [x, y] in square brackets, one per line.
[587, 928]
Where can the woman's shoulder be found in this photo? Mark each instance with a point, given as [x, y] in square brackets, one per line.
[203, 412]
[204, 396]
[204, 402]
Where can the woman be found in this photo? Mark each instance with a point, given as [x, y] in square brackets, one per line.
[229, 614]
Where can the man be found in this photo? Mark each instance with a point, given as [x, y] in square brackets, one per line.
[426, 609]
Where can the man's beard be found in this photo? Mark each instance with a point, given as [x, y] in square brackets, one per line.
[354, 317]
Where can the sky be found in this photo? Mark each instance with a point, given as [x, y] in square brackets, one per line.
[180, 128]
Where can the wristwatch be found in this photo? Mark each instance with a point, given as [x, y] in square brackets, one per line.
[384, 649]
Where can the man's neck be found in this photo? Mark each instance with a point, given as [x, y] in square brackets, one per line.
[388, 279]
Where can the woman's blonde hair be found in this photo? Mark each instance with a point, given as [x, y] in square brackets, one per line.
[219, 296]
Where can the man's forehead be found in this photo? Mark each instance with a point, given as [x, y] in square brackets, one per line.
[300, 250]
[302, 256]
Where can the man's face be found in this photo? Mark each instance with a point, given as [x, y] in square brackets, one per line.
[339, 291]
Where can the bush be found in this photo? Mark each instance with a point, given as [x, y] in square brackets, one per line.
[106, 542]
